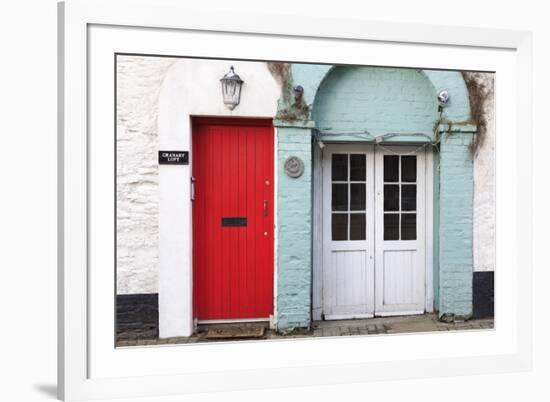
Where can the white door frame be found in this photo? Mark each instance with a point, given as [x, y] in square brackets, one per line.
[317, 287]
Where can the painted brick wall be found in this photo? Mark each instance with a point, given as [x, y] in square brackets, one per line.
[294, 231]
[380, 100]
[456, 225]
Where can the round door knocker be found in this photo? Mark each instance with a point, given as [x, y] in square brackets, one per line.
[294, 167]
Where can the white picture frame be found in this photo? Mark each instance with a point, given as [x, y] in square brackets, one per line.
[89, 367]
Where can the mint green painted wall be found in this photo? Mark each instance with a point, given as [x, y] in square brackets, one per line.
[436, 191]
[294, 208]
[309, 76]
[313, 76]
[379, 100]
[458, 109]
[456, 225]
[346, 103]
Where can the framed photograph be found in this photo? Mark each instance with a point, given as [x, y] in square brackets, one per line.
[247, 202]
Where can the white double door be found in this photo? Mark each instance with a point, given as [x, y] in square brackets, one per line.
[374, 226]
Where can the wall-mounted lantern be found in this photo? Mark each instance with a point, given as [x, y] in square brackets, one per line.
[231, 88]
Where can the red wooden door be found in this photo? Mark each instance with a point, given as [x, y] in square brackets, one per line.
[233, 218]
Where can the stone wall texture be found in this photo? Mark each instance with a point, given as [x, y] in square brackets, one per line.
[138, 85]
[484, 181]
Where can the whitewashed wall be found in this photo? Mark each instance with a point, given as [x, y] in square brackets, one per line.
[138, 85]
[139, 80]
[484, 185]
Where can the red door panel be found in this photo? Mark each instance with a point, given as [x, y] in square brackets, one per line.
[233, 219]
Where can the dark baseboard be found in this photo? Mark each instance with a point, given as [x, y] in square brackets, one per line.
[137, 316]
[484, 294]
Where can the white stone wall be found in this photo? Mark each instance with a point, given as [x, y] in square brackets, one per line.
[139, 81]
[484, 184]
[138, 85]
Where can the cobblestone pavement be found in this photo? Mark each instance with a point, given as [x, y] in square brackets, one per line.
[371, 326]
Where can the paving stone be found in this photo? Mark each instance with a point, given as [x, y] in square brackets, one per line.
[354, 331]
[178, 340]
[345, 331]
[331, 332]
[148, 342]
[413, 326]
[301, 336]
[371, 326]
[125, 343]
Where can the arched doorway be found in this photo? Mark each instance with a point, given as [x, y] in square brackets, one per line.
[373, 204]
[379, 109]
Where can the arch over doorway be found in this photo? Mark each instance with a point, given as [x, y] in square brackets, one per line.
[315, 79]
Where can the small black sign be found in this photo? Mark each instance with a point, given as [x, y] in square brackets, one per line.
[234, 221]
[173, 157]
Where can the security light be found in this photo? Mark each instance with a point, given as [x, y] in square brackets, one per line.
[443, 97]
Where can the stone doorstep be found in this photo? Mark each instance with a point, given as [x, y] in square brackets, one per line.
[376, 321]
[235, 333]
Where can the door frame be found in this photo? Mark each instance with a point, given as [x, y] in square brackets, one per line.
[318, 258]
[238, 121]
